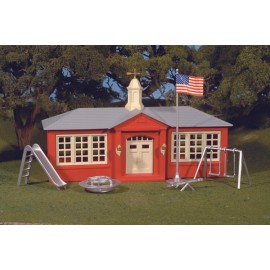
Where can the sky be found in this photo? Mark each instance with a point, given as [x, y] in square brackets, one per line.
[103, 22]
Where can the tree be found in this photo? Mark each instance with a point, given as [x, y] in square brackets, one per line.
[53, 79]
[156, 63]
[49, 78]
[237, 80]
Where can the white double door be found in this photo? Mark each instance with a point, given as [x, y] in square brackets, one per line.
[139, 155]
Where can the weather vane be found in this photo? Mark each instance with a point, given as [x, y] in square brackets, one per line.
[134, 73]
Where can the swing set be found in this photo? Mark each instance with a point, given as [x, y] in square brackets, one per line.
[208, 158]
[209, 152]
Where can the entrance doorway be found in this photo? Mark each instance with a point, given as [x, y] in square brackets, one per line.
[139, 155]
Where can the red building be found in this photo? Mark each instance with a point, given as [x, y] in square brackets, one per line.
[132, 143]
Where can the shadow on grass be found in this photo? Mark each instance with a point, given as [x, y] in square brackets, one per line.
[11, 153]
[42, 184]
[38, 182]
[117, 190]
[196, 187]
[120, 189]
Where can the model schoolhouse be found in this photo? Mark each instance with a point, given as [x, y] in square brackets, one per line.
[132, 143]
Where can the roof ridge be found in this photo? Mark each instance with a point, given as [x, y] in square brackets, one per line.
[109, 117]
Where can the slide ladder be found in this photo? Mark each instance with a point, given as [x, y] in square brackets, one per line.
[36, 152]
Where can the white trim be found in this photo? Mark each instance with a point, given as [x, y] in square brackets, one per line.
[185, 145]
[90, 156]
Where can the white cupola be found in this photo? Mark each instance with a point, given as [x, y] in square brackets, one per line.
[134, 94]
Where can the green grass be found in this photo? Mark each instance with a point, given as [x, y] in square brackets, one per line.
[213, 202]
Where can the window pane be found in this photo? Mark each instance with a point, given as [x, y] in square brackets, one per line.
[61, 146]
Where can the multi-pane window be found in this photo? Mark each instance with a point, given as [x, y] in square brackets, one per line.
[191, 145]
[81, 149]
[64, 150]
[98, 147]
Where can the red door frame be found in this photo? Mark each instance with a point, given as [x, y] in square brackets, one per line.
[141, 125]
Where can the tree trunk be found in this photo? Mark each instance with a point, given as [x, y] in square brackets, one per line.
[23, 129]
[23, 136]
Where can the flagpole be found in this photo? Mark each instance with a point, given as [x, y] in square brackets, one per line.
[177, 177]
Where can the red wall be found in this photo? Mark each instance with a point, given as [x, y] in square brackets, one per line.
[188, 169]
[78, 172]
[140, 125]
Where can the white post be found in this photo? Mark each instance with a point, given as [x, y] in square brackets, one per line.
[239, 169]
[177, 177]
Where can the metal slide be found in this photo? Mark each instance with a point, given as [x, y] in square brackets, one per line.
[27, 158]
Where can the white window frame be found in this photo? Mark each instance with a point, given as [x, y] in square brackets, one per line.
[190, 144]
[90, 149]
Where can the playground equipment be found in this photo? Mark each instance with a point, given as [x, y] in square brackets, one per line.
[99, 184]
[36, 152]
[183, 182]
[207, 157]
[208, 151]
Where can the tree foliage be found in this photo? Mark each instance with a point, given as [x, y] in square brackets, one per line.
[238, 82]
[47, 78]
[156, 64]
[54, 79]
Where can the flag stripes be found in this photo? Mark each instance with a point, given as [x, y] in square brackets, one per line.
[190, 85]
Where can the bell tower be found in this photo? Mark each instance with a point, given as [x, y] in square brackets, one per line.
[134, 93]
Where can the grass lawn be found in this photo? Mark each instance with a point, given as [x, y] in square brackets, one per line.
[213, 202]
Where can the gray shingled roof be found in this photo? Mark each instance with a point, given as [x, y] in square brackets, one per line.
[107, 118]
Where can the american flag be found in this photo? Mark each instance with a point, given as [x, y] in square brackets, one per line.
[190, 85]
